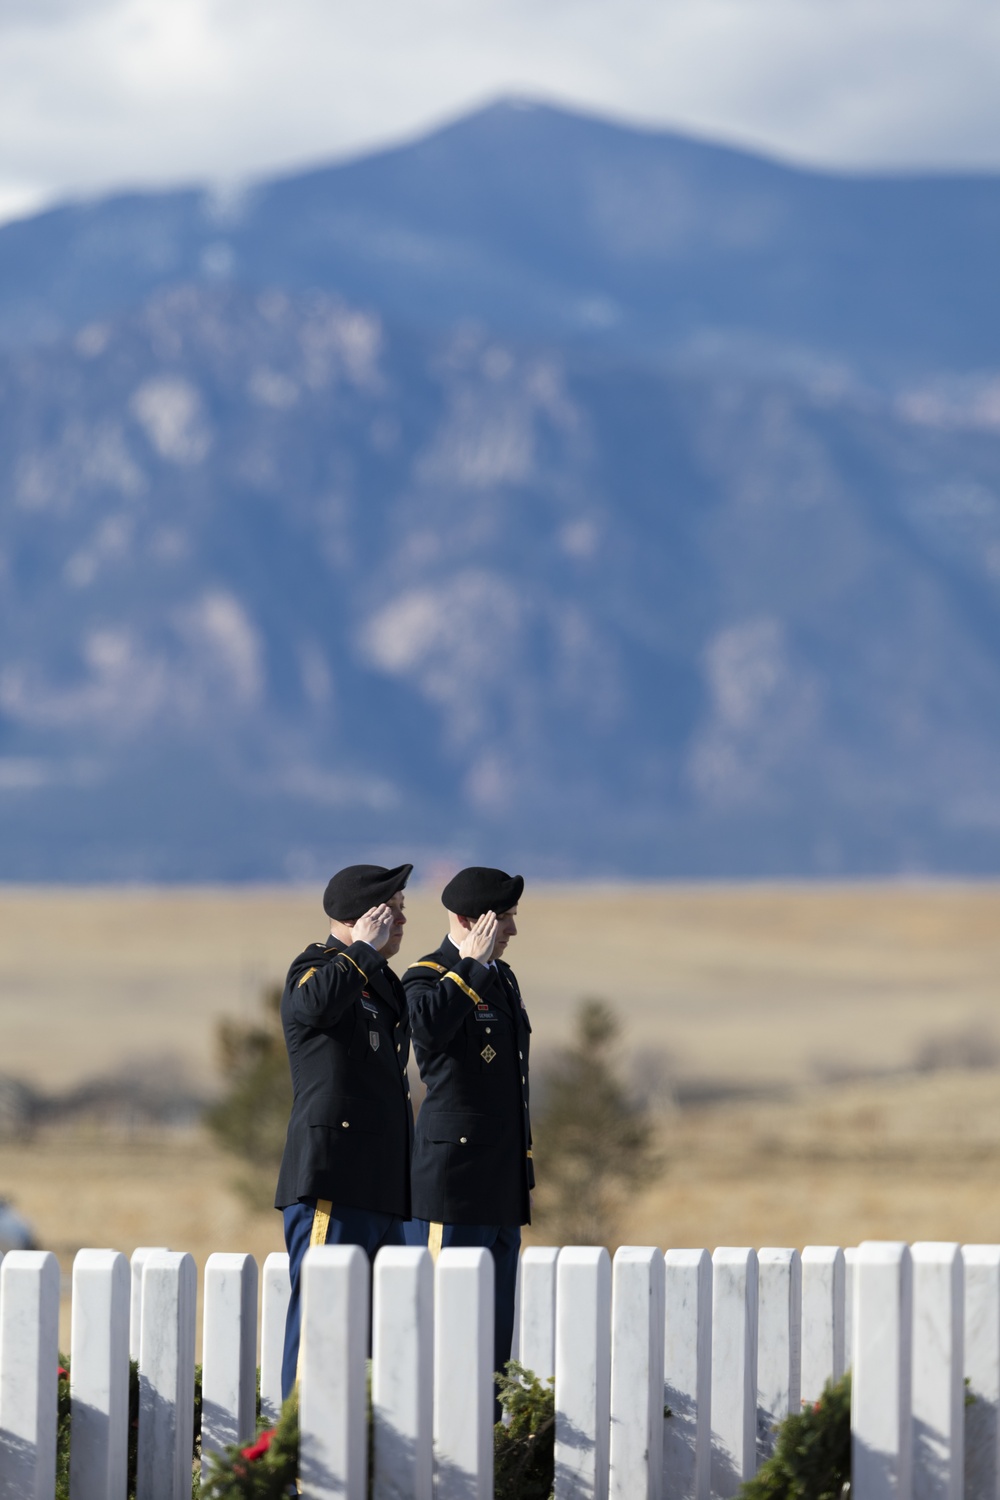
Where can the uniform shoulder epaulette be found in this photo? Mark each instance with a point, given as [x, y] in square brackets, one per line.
[426, 963]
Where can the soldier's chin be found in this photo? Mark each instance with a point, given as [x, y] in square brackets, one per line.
[392, 947]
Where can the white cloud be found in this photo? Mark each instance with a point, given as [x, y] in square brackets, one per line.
[97, 93]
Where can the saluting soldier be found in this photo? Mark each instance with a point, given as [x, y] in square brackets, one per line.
[472, 1170]
[345, 1173]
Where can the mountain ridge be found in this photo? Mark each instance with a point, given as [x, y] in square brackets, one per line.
[879, 274]
[304, 562]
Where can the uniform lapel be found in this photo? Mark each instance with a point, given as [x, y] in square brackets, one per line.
[511, 991]
[381, 982]
[503, 986]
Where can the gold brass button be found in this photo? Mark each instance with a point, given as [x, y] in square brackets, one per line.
[463, 1140]
[346, 1124]
[398, 1047]
[488, 1030]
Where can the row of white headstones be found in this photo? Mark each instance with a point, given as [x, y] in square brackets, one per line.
[729, 1344]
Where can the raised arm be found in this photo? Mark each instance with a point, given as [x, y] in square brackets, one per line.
[321, 994]
[439, 998]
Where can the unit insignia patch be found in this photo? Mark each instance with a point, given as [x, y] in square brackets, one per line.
[487, 1053]
[373, 1037]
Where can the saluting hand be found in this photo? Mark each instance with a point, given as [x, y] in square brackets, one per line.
[374, 927]
[478, 943]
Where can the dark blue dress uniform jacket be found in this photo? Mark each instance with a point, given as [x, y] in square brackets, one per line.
[350, 1134]
[472, 1153]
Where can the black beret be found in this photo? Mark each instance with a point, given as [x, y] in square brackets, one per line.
[477, 890]
[352, 892]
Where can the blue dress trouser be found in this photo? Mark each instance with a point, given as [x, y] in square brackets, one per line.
[505, 1242]
[346, 1226]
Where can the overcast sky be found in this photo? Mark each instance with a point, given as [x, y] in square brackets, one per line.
[96, 94]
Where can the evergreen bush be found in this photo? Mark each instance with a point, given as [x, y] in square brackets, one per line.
[524, 1446]
[266, 1469]
[811, 1461]
[251, 1118]
[812, 1455]
[64, 1430]
[593, 1142]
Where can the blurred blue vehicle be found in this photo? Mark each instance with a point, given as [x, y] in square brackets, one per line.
[15, 1233]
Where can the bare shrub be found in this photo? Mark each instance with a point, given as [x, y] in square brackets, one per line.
[593, 1139]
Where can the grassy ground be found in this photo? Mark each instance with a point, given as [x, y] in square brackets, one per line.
[798, 987]
[746, 983]
[914, 1158]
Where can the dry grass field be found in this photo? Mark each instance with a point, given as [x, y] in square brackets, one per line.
[909, 1158]
[785, 990]
[747, 983]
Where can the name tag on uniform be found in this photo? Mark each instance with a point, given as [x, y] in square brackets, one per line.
[369, 1006]
[483, 1013]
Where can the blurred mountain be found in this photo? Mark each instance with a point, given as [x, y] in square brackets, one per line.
[543, 493]
[548, 225]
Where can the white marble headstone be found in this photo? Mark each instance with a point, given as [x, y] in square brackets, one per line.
[583, 1373]
[881, 1421]
[463, 1375]
[822, 1318]
[99, 1375]
[29, 1353]
[403, 1374]
[276, 1290]
[734, 1369]
[982, 1367]
[687, 1374]
[779, 1318]
[636, 1448]
[538, 1310]
[333, 1448]
[938, 1390]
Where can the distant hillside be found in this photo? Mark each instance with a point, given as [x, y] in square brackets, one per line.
[285, 584]
[548, 225]
[547, 493]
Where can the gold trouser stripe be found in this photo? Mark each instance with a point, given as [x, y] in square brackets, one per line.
[321, 1222]
[457, 979]
[435, 1233]
[425, 963]
[317, 1236]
